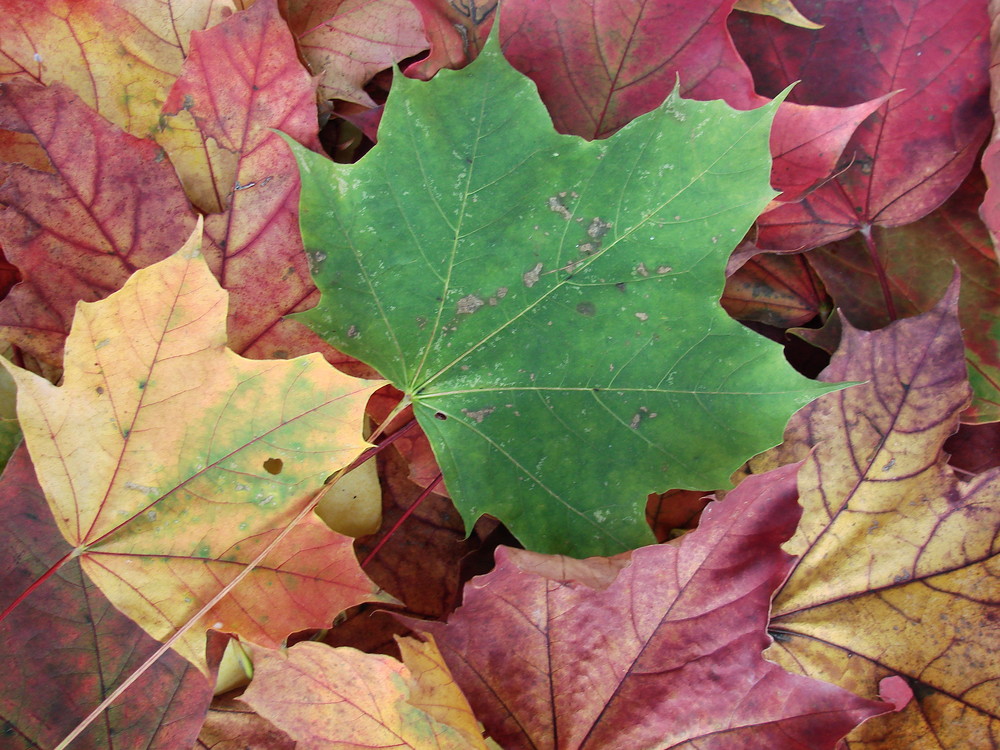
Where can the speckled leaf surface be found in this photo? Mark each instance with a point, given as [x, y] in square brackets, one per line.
[511, 279]
[169, 462]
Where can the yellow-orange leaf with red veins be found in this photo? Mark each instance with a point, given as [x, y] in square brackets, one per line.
[170, 462]
[327, 697]
[900, 562]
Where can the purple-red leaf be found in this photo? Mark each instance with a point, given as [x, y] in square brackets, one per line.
[243, 79]
[600, 64]
[666, 655]
[907, 159]
[65, 648]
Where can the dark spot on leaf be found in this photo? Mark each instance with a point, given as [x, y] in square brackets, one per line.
[620, 286]
[142, 385]
[921, 690]
[779, 636]
[273, 465]
[100, 390]
[440, 416]
[586, 309]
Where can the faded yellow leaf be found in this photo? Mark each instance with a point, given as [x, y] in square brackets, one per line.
[170, 462]
[899, 569]
[353, 505]
[435, 690]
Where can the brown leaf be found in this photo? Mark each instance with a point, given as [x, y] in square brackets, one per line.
[347, 42]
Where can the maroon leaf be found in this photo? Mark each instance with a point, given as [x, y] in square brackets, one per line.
[990, 209]
[456, 32]
[919, 260]
[600, 64]
[668, 654]
[908, 158]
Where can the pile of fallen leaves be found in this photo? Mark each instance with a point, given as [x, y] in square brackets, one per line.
[363, 353]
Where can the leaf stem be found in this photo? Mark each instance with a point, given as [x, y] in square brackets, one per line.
[883, 279]
[38, 582]
[376, 449]
[409, 512]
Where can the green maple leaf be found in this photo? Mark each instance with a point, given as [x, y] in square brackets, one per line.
[550, 305]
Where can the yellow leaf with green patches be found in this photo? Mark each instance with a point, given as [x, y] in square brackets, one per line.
[170, 462]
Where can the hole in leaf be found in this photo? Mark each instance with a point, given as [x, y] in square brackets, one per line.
[440, 416]
[273, 465]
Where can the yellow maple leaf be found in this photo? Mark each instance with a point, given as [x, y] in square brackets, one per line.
[170, 462]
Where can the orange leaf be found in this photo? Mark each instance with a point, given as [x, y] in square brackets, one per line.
[170, 462]
[327, 697]
[898, 566]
